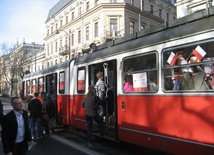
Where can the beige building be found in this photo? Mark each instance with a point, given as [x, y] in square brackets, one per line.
[73, 25]
[187, 7]
[23, 59]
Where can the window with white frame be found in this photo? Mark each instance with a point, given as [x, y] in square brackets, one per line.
[79, 36]
[131, 26]
[96, 29]
[113, 27]
[87, 33]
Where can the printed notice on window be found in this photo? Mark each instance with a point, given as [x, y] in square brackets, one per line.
[81, 80]
[140, 82]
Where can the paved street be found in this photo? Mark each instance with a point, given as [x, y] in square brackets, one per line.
[64, 143]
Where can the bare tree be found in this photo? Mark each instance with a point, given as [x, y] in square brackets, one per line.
[13, 68]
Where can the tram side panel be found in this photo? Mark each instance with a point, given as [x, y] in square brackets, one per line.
[173, 120]
[63, 97]
[78, 91]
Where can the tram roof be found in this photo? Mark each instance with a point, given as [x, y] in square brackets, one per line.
[180, 27]
[49, 70]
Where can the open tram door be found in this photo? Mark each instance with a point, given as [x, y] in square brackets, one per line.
[51, 88]
[109, 114]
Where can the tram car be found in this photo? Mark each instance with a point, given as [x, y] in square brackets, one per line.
[170, 105]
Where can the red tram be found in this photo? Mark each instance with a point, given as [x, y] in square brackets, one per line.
[171, 105]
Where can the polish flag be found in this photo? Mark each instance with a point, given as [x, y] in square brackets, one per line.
[199, 52]
[172, 58]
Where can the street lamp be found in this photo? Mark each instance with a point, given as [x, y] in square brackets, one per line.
[69, 40]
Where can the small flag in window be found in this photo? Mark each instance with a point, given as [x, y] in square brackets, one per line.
[172, 59]
[199, 52]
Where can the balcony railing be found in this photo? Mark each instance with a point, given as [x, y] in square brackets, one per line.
[112, 34]
[64, 50]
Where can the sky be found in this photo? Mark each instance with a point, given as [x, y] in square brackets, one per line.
[24, 20]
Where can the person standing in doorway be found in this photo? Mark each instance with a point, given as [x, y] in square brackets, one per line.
[89, 104]
[100, 92]
[35, 109]
[15, 130]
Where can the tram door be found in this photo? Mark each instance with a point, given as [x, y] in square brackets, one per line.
[109, 107]
[51, 87]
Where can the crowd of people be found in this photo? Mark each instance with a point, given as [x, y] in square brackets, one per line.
[21, 126]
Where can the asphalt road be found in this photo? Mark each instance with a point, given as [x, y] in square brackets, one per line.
[64, 143]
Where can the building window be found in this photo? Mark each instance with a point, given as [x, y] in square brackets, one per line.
[132, 2]
[56, 47]
[60, 60]
[56, 61]
[48, 51]
[48, 64]
[142, 27]
[151, 8]
[131, 27]
[167, 16]
[66, 20]
[160, 13]
[72, 16]
[113, 1]
[60, 45]
[96, 29]
[47, 32]
[51, 29]
[51, 48]
[79, 36]
[66, 43]
[113, 27]
[87, 33]
[79, 11]
[142, 5]
[96, 2]
[60, 23]
[87, 6]
[72, 39]
[56, 26]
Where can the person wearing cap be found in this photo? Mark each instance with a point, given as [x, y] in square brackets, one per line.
[89, 104]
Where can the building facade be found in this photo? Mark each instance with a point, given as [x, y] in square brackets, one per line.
[73, 25]
[187, 7]
[25, 58]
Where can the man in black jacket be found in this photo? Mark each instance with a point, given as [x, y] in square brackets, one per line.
[15, 130]
[35, 109]
[1, 112]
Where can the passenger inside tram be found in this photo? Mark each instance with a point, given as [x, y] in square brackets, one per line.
[128, 85]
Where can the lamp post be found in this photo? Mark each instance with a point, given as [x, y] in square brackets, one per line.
[69, 40]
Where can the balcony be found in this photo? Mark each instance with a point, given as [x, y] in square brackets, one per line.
[64, 50]
[112, 34]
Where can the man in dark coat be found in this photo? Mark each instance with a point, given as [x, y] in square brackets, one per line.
[1, 112]
[15, 130]
[35, 109]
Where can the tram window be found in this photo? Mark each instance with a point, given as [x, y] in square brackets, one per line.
[189, 67]
[41, 84]
[28, 87]
[62, 82]
[33, 86]
[81, 80]
[140, 73]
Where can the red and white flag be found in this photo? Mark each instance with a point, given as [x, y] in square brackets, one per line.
[199, 52]
[172, 59]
